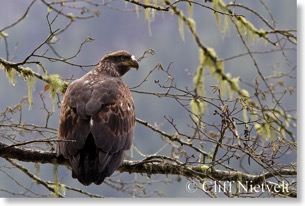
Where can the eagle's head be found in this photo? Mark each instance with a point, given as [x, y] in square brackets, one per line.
[118, 63]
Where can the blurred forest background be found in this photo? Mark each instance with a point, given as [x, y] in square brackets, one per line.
[98, 27]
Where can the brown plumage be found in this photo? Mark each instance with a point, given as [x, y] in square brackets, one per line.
[98, 114]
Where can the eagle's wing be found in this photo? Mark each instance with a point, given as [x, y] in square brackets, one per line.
[101, 109]
[112, 126]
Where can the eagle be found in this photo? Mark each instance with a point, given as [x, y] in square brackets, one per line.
[97, 119]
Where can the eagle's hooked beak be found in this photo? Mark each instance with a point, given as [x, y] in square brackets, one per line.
[134, 63]
[131, 63]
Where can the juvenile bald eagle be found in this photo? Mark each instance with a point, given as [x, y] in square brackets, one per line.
[98, 118]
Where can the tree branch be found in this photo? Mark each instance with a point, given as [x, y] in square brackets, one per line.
[172, 137]
[145, 6]
[30, 155]
[150, 167]
[34, 177]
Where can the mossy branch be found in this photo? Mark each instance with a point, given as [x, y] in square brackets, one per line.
[25, 71]
[151, 167]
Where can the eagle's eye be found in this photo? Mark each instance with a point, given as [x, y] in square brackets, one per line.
[123, 58]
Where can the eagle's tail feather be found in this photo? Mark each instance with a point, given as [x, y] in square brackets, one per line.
[92, 165]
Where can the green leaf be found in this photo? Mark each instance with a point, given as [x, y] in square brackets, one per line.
[258, 128]
[192, 24]
[244, 93]
[56, 182]
[197, 108]
[199, 81]
[31, 81]
[190, 9]
[247, 29]
[147, 11]
[222, 21]
[3, 34]
[62, 189]
[181, 28]
[57, 85]
[71, 16]
[205, 169]
[53, 39]
[89, 39]
[265, 130]
[207, 59]
[235, 83]
[245, 114]
[11, 75]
